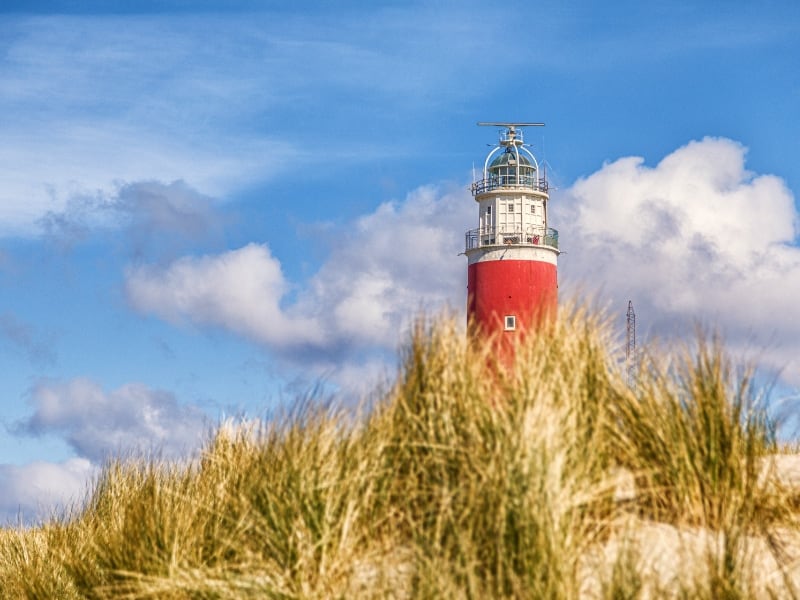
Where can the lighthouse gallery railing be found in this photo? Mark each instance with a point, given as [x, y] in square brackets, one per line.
[509, 182]
[497, 236]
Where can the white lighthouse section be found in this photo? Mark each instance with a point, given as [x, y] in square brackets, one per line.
[512, 206]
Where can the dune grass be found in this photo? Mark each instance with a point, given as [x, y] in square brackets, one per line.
[541, 476]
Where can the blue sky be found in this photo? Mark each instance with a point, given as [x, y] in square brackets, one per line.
[209, 206]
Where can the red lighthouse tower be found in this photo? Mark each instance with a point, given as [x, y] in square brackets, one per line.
[512, 281]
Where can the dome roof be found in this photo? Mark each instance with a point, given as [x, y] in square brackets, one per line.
[509, 158]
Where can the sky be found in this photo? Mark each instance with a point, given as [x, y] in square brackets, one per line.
[210, 209]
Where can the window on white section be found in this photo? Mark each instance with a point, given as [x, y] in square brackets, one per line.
[488, 210]
[510, 208]
[511, 323]
[533, 208]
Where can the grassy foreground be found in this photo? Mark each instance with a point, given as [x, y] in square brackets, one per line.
[468, 478]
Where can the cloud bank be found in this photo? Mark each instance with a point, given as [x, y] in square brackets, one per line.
[380, 270]
[697, 238]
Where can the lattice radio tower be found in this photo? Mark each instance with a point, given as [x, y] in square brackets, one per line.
[630, 349]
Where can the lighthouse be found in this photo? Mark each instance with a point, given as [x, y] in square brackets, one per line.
[512, 281]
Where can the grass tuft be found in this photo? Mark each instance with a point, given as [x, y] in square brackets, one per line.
[537, 475]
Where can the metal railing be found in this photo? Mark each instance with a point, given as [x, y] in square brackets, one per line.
[509, 182]
[496, 236]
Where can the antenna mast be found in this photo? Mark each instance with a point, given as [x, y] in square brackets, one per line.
[630, 349]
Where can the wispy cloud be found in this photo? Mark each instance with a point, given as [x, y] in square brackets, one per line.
[104, 100]
[219, 101]
[35, 344]
[49, 168]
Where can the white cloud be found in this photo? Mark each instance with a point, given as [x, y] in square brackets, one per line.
[38, 490]
[392, 263]
[381, 270]
[97, 423]
[240, 290]
[695, 238]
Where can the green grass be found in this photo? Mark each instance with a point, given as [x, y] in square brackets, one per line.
[471, 477]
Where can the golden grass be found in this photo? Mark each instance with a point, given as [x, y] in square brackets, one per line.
[470, 478]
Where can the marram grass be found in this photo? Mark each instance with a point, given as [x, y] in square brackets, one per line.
[541, 476]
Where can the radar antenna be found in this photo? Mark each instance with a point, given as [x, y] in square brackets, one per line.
[509, 125]
[510, 137]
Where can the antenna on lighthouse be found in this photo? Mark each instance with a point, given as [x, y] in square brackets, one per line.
[508, 124]
[630, 349]
[511, 137]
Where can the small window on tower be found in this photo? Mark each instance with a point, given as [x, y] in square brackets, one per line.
[510, 208]
[511, 323]
[488, 210]
[533, 208]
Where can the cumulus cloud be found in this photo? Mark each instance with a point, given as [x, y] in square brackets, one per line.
[390, 264]
[97, 423]
[381, 269]
[240, 290]
[698, 237]
[38, 490]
